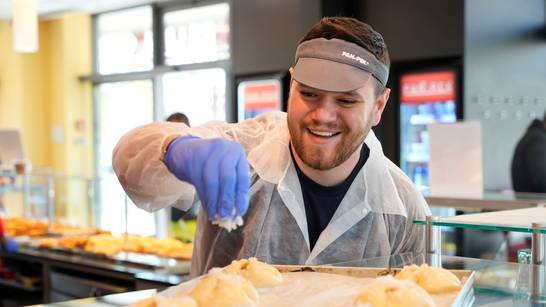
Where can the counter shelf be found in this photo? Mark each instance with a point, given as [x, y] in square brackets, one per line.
[491, 200]
[130, 259]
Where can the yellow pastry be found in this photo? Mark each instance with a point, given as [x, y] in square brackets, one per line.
[387, 291]
[103, 244]
[260, 274]
[159, 301]
[434, 280]
[218, 289]
[48, 242]
[182, 301]
[73, 242]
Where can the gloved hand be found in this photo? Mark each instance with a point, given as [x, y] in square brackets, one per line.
[218, 169]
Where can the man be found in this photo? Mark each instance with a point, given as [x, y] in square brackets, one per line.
[178, 117]
[183, 222]
[321, 189]
[529, 160]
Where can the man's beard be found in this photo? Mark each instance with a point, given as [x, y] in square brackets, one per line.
[316, 157]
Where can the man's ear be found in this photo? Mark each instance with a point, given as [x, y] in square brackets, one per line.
[291, 71]
[380, 105]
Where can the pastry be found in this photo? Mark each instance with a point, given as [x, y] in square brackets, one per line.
[160, 301]
[434, 280]
[73, 242]
[181, 301]
[103, 244]
[260, 274]
[218, 289]
[48, 243]
[387, 291]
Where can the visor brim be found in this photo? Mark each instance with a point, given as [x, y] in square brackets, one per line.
[329, 75]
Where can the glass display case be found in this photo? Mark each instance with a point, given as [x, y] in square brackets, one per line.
[496, 283]
[71, 202]
[528, 220]
[53, 199]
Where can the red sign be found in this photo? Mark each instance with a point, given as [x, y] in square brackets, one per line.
[426, 87]
[262, 95]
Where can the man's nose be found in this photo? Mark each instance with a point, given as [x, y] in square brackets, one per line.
[325, 110]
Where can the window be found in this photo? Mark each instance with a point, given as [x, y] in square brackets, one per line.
[125, 41]
[200, 94]
[132, 88]
[197, 35]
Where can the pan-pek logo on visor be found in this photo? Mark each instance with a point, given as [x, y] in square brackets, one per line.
[354, 57]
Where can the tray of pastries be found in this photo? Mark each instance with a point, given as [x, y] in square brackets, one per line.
[250, 282]
[20, 226]
[111, 246]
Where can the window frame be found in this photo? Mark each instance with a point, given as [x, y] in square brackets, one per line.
[159, 69]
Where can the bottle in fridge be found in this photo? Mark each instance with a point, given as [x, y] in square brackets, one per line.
[425, 97]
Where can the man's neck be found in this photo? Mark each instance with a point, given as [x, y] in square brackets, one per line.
[332, 176]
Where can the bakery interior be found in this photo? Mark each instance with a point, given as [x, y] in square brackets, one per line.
[76, 75]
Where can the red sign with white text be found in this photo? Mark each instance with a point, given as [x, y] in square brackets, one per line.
[426, 87]
[264, 95]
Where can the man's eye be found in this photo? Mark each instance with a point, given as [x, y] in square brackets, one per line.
[308, 94]
[346, 101]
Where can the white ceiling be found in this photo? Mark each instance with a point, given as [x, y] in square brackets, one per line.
[52, 8]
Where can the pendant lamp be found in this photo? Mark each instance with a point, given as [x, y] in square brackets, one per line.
[25, 26]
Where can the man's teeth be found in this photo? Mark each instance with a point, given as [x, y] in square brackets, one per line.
[322, 133]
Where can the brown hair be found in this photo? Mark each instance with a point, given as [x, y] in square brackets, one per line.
[353, 31]
[178, 118]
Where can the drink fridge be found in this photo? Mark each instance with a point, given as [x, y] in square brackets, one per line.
[425, 97]
[261, 93]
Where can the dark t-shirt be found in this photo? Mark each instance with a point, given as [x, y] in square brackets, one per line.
[321, 202]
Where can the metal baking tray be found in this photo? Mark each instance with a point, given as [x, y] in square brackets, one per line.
[465, 298]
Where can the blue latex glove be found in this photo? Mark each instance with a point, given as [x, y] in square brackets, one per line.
[218, 169]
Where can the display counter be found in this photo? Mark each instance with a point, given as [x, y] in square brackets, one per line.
[529, 220]
[62, 276]
[496, 284]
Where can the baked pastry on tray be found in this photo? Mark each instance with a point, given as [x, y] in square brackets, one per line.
[434, 280]
[218, 289]
[387, 291]
[260, 274]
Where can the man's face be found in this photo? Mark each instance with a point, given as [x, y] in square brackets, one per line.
[327, 127]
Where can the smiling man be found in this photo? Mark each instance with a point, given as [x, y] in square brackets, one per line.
[312, 185]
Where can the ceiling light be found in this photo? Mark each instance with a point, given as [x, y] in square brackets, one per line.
[25, 25]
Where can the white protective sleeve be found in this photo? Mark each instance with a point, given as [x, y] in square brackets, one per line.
[137, 157]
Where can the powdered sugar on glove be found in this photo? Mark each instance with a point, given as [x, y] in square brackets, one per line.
[219, 171]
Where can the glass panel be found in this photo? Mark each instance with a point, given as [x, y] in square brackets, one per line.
[124, 41]
[519, 220]
[63, 201]
[200, 94]
[114, 101]
[197, 35]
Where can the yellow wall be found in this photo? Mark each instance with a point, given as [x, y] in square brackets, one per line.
[22, 100]
[41, 91]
